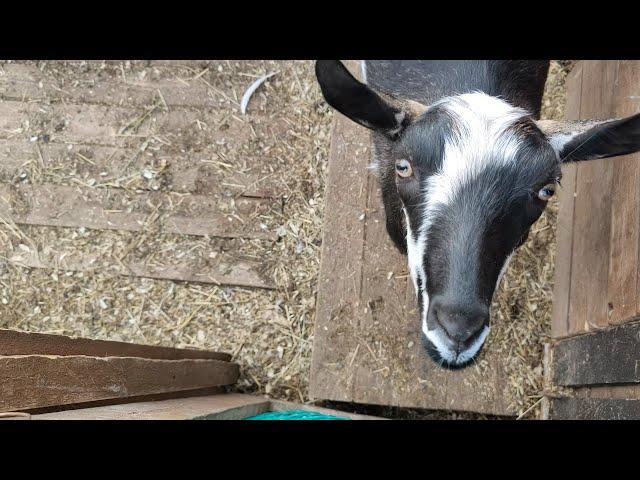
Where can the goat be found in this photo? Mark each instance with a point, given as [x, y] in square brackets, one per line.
[465, 168]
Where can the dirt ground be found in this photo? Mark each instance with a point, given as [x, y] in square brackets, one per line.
[269, 331]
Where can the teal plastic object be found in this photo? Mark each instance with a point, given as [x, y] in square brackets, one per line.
[294, 415]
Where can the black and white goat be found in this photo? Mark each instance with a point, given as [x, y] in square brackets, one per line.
[465, 169]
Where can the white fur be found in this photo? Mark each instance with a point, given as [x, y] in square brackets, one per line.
[504, 269]
[559, 140]
[480, 138]
[363, 70]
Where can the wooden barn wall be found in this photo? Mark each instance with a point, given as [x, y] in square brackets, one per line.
[596, 284]
[593, 368]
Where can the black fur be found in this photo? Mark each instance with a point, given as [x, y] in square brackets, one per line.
[355, 99]
[619, 137]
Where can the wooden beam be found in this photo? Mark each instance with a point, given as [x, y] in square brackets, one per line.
[605, 357]
[594, 409]
[38, 381]
[228, 406]
[339, 285]
[118, 126]
[13, 343]
[202, 172]
[564, 235]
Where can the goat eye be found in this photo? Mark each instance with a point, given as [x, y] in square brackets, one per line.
[547, 192]
[403, 168]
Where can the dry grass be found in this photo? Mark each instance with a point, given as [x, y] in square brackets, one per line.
[269, 332]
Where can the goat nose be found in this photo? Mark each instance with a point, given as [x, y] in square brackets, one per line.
[460, 321]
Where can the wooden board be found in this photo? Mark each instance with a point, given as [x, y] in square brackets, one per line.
[598, 240]
[564, 235]
[204, 171]
[605, 357]
[13, 342]
[109, 209]
[228, 406]
[162, 155]
[367, 342]
[594, 409]
[37, 381]
[223, 269]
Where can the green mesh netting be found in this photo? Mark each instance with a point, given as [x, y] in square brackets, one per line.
[294, 415]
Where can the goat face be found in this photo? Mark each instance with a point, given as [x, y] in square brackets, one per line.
[463, 180]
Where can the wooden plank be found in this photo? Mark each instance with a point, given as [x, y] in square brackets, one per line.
[13, 342]
[382, 313]
[335, 342]
[22, 82]
[161, 167]
[594, 409]
[110, 209]
[592, 221]
[224, 269]
[622, 292]
[117, 126]
[228, 406]
[36, 381]
[605, 357]
[564, 235]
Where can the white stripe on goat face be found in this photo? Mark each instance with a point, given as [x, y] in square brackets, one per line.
[480, 137]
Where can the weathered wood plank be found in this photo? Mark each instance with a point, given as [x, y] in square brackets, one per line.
[21, 82]
[117, 126]
[622, 292]
[152, 168]
[592, 219]
[228, 406]
[594, 409]
[564, 235]
[335, 342]
[37, 381]
[605, 357]
[114, 209]
[13, 342]
[224, 269]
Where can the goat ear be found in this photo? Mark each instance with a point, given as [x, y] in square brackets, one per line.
[588, 140]
[357, 101]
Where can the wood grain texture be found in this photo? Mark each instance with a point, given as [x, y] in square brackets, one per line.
[592, 218]
[336, 346]
[622, 296]
[202, 172]
[224, 269]
[594, 409]
[608, 356]
[110, 209]
[228, 406]
[598, 241]
[564, 235]
[36, 381]
[13, 342]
